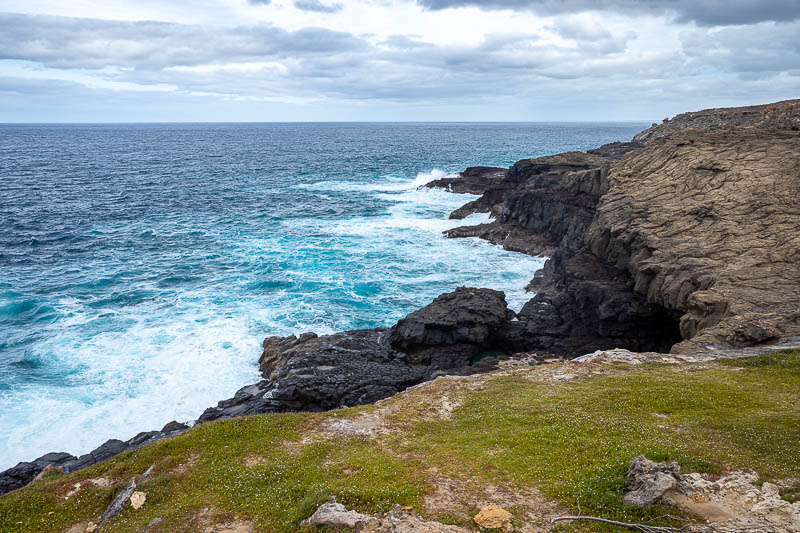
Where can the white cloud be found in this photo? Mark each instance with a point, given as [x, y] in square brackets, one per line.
[384, 59]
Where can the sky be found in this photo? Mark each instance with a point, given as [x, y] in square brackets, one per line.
[391, 60]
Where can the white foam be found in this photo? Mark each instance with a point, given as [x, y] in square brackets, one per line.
[390, 183]
[171, 358]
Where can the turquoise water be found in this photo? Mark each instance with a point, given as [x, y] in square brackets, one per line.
[142, 265]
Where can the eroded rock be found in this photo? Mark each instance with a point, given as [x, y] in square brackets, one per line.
[687, 239]
[317, 373]
[466, 316]
[648, 481]
[333, 514]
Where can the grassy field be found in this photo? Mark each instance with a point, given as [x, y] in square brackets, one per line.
[563, 441]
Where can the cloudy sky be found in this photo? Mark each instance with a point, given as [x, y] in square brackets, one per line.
[334, 60]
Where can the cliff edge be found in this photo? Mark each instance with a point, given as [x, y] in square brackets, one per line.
[687, 238]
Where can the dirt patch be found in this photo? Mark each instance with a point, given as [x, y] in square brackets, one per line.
[210, 520]
[183, 468]
[254, 460]
[364, 425]
[735, 502]
[230, 527]
[437, 399]
[532, 511]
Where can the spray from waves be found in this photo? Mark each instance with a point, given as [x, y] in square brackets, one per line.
[133, 364]
[390, 183]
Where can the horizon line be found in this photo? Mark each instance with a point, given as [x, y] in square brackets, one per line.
[65, 123]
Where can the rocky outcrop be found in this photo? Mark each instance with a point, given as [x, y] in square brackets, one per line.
[781, 116]
[648, 481]
[25, 472]
[315, 373]
[687, 237]
[474, 180]
[318, 373]
[709, 229]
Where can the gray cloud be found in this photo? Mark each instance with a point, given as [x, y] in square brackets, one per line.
[702, 12]
[92, 44]
[262, 63]
[592, 37]
[317, 6]
[259, 2]
[753, 52]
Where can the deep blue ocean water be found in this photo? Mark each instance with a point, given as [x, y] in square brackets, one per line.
[142, 265]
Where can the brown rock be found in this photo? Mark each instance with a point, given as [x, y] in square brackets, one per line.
[494, 517]
[709, 226]
[780, 115]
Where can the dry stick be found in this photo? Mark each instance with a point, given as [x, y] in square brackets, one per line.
[630, 525]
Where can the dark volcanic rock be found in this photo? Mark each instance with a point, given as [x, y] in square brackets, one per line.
[688, 237]
[315, 373]
[465, 316]
[583, 305]
[474, 180]
[25, 472]
[512, 238]
[539, 203]
[320, 373]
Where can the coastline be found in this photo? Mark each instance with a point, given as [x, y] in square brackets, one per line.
[601, 289]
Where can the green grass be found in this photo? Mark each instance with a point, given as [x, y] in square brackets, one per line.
[571, 440]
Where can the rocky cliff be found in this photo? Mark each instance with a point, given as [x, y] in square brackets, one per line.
[687, 238]
[781, 115]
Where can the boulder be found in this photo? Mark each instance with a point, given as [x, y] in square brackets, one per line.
[336, 515]
[466, 316]
[474, 180]
[647, 481]
[25, 472]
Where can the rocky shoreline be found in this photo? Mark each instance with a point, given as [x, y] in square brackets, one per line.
[685, 240]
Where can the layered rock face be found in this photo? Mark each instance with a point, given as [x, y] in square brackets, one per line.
[680, 239]
[545, 206]
[709, 227]
[778, 116]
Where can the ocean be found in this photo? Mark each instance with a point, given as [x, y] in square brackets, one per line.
[142, 265]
